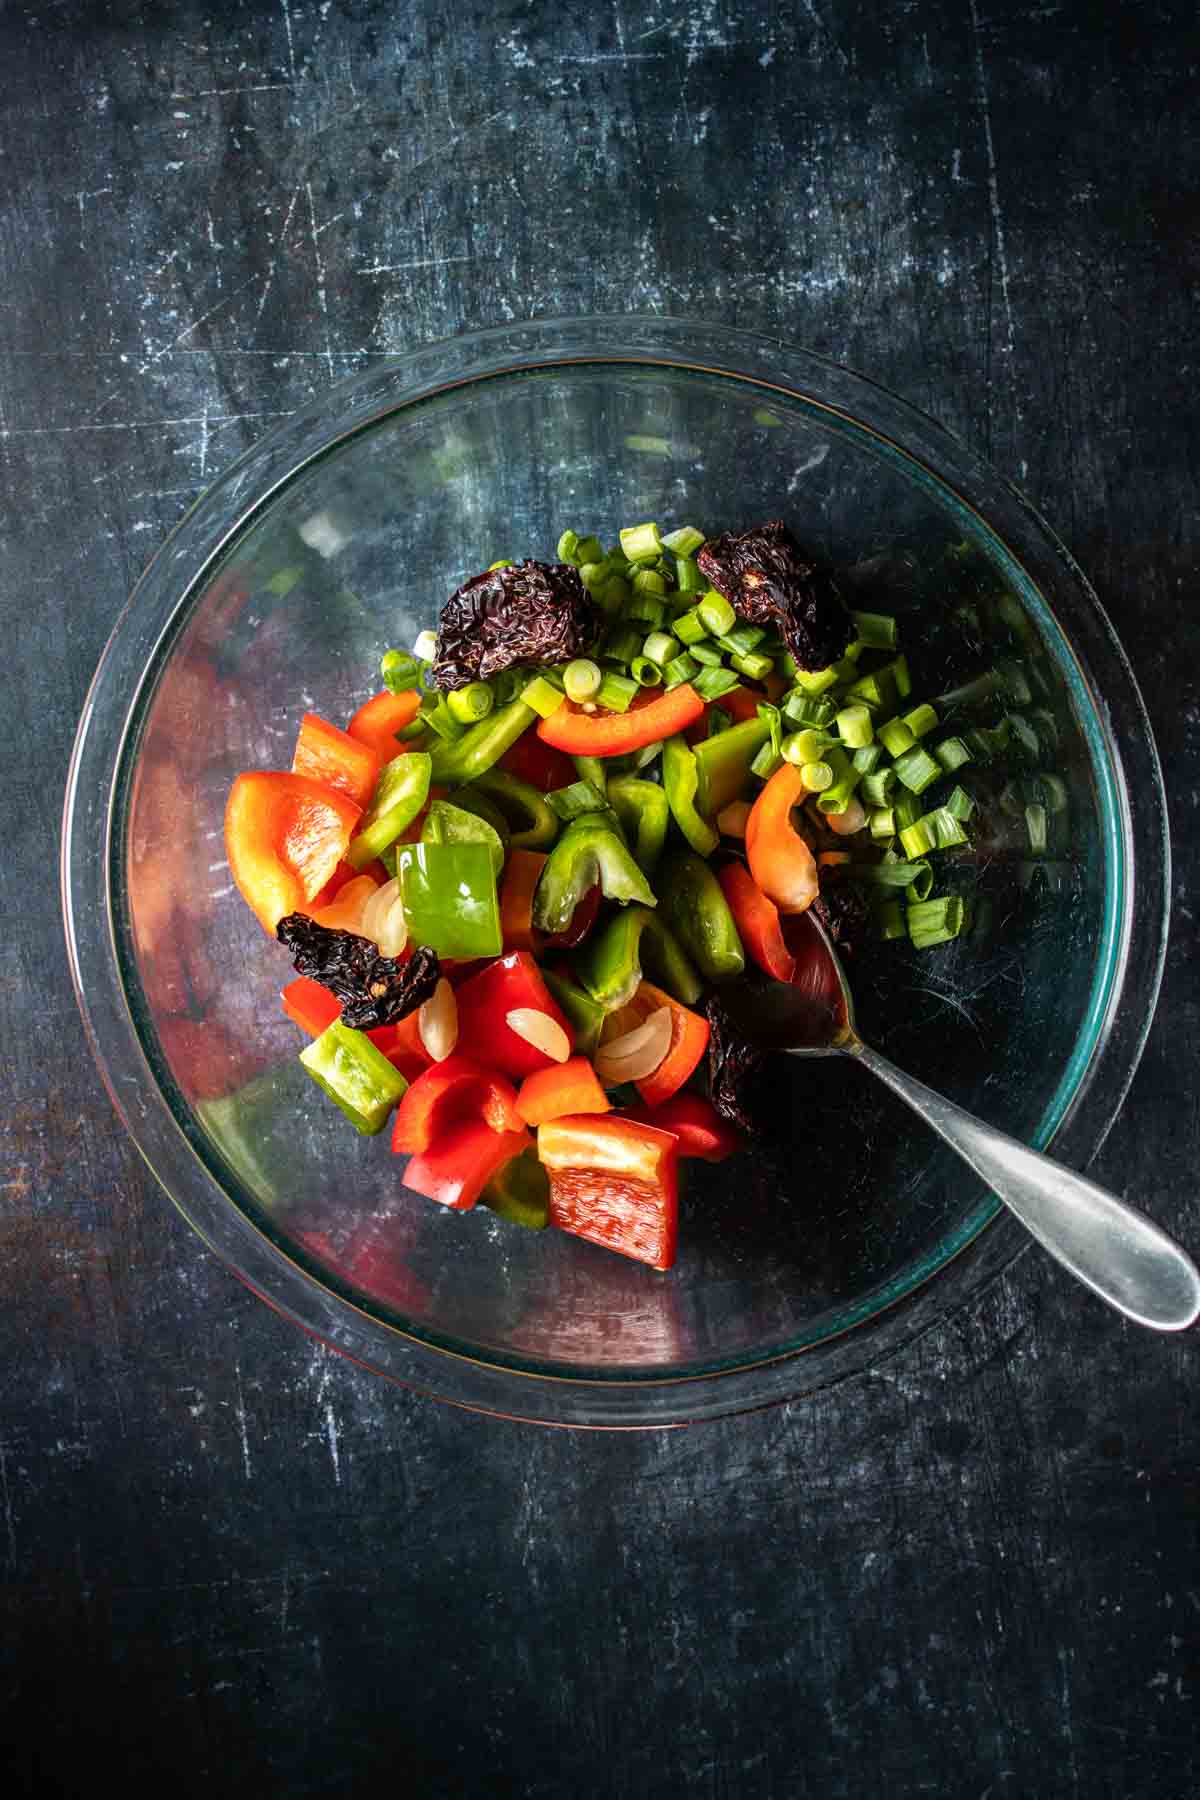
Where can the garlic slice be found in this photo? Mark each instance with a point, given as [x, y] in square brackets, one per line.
[850, 821]
[540, 1030]
[437, 1022]
[383, 919]
[731, 820]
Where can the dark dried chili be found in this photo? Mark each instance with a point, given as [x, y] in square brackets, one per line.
[373, 989]
[530, 613]
[844, 911]
[736, 1070]
[768, 579]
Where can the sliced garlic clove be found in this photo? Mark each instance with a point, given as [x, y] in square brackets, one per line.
[540, 1030]
[850, 821]
[437, 1022]
[638, 1053]
[731, 820]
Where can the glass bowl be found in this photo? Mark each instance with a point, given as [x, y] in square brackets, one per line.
[340, 535]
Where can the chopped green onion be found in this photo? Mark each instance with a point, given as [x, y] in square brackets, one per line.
[952, 753]
[868, 758]
[1046, 726]
[890, 873]
[981, 688]
[854, 726]
[711, 683]
[441, 719]
[614, 594]
[660, 647]
[646, 672]
[1054, 793]
[935, 921]
[805, 747]
[622, 644]
[588, 550]
[641, 543]
[685, 540]
[816, 777]
[1022, 735]
[836, 798]
[718, 721]
[689, 627]
[543, 696]
[1015, 682]
[716, 614]
[1035, 825]
[425, 648]
[616, 692]
[688, 578]
[919, 839]
[706, 652]
[921, 720]
[594, 576]
[742, 640]
[568, 547]
[679, 669]
[501, 562]
[916, 769]
[907, 809]
[471, 703]
[876, 631]
[572, 802]
[765, 761]
[889, 919]
[815, 681]
[877, 786]
[752, 665]
[400, 671]
[804, 709]
[882, 823]
[649, 581]
[647, 609]
[895, 737]
[582, 679]
[960, 805]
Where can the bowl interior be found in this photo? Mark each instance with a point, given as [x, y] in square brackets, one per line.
[857, 1204]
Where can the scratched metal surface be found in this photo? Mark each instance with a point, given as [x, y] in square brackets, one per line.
[231, 1559]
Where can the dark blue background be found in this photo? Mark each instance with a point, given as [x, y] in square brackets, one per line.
[232, 1562]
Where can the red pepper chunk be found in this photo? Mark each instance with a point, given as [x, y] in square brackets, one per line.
[326, 753]
[539, 764]
[570, 1087]
[569, 728]
[460, 1165]
[757, 920]
[484, 1002]
[379, 719]
[447, 1093]
[695, 1124]
[615, 1182]
[284, 837]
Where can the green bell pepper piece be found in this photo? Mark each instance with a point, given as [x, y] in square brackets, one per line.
[520, 1192]
[400, 793]
[589, 851]
[359, 1078]
[645, 813]
[680, 779]
[481, 746]
[449, 824]
[519, 801]
[585, 1014]
[591, 768]
[723, 765]
[471, 800]
[697, 911]
[610, 964]
[449, 896]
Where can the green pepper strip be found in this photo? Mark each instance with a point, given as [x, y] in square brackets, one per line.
[591, 768]
[644, 810]
[585, 1014]
[346, 1065]
[481, 746]
[520, 1192]
[519, 799]
[697, 911]
[610, 964]
[470, 800]
[588, 851]
[448, 824]
[723, 767]
[680, 778]
[448, 892]
[400, 793]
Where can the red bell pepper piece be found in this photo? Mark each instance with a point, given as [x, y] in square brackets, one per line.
[460, 1165]
[539, 764]
[780, 861]
[404, 1047]
[615, 1182]
[448, 1092]
[570, 1087]
[612, 734]
[310, 1005]
[284, 837]
[694, 1123]
[379, 719]
[485, 1000]
[325, 753]
[757, 920]
[740, 704]
[522, 872]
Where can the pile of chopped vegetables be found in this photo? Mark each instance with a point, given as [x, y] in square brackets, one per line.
[513, 885]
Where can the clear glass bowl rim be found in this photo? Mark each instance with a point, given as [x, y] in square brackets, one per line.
[91, 884]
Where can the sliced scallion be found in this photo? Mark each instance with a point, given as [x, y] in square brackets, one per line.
[742, 640]
[753, 666]
[854, 726]
[917, 769]
[400, 671]
[543, 696]
[588, 550]
[679, 669]
[878, 786]
[895, 737]
[568, 547]
[934, 921]
[711, 683]
[706, 652]
[685, 540]
[649, 581]
[688, 579]
[816, 777]
[661, 648]
[572, 802]
[616, 692]
[952, 753]
[689, 627]
[425, 648]
[582, 679]
[646, 672]
[1035, 825]
[876, 631]
[716, 614]
[641, 543]
[960, 804]
[471, 703]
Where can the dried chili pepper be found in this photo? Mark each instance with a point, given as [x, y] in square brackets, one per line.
[770, 580]
[373, 989]
[736, 1071]
[529, 613]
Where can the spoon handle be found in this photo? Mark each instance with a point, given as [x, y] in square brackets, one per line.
[1110, 1247]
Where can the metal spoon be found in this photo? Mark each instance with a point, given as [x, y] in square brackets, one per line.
[1110, 1247]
